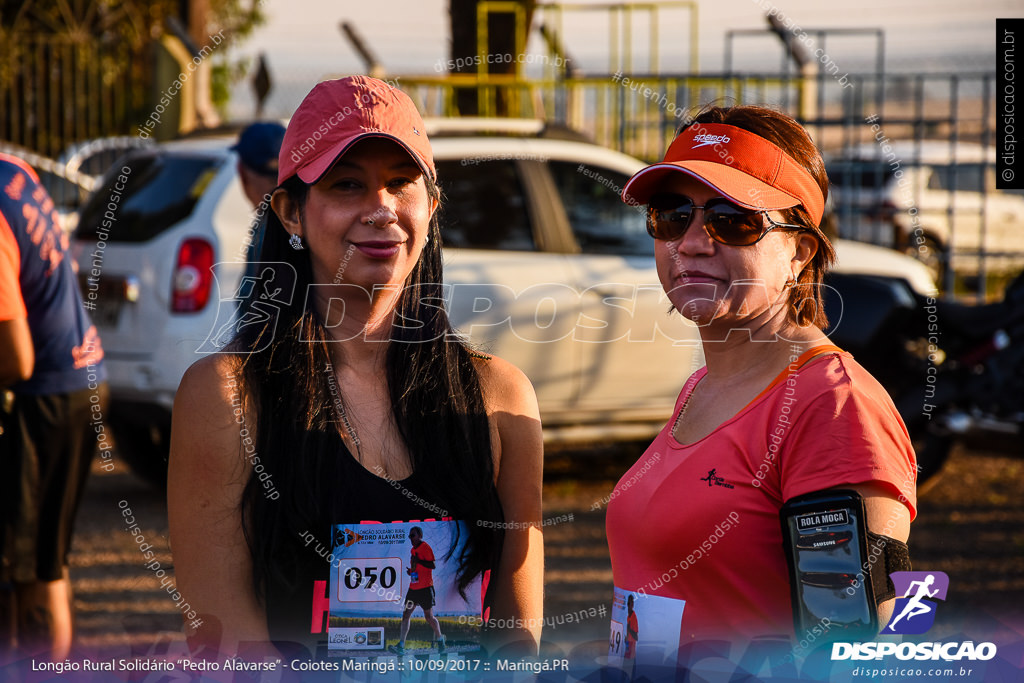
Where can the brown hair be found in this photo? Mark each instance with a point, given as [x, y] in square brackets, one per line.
[806, 305]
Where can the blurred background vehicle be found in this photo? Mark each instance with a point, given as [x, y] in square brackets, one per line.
[546, 267]
[94, 157]
[179, 210]
[974, 390]
[930, 198]
[68, 191]
[70, 178]
[954, 371]
[69, 188]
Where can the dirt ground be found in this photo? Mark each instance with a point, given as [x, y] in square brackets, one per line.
[970, 525]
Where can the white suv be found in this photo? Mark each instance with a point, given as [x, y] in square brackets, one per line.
[546, 266]
[951, 188]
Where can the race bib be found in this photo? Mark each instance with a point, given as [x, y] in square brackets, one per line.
[378, 574]
[645, 631]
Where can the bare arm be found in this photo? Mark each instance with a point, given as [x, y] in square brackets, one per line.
[887, 516]
[17, 355]
[205, 480]
[512, 407]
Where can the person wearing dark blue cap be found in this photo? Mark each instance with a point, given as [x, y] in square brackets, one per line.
[258, 147]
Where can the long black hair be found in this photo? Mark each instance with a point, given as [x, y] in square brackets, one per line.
[435, 397]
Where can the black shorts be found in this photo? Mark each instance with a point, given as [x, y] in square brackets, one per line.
[424, 597]
[46, 448]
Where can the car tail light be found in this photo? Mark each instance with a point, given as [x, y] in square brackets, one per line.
[193, 276]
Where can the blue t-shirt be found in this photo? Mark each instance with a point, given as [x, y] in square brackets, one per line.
[37, 281]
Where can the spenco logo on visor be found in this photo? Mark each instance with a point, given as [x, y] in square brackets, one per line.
[744, 167]
[705, 139]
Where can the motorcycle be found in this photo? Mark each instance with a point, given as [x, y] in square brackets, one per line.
[954, 371]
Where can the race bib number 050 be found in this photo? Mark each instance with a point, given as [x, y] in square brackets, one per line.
[370, 580]
[382, 573]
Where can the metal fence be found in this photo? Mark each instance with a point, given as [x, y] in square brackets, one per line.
[911, 156]
[55, 91]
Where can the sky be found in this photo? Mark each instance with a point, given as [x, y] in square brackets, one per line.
[303, 42]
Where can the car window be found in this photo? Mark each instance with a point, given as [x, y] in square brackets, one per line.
[601, 222]
[160, 191]
[95, 157]
[861, 174]
[960, 178]
[99, 162]
[65, 194]
[484, 206]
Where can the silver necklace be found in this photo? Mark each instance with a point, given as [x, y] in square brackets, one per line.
[682, 410]
[339, 407]
[350, 429]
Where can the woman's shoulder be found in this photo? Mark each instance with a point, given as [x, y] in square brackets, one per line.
[839, 370]
[212, 379]
[516, 436]
[512, 410]
[834, 382]
[505, 387]
[208, 416]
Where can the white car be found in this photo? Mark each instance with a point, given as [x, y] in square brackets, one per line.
[68, 187]
[929, 198]
[547, 268]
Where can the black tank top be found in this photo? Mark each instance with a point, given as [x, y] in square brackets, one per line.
[357, 496]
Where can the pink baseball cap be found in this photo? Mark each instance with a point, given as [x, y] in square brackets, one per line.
[337, 114]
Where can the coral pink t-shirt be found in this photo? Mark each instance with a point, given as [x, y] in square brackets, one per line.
[700, 522]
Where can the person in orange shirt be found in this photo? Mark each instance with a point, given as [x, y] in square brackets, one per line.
[632, 635]
[632, 630]
[421, 590]
[53, 395]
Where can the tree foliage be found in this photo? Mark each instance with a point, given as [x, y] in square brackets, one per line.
[62, 62]
[136, 22]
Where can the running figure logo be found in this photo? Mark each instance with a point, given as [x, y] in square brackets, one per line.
[714, 480]
[914, 612]
[265, 289]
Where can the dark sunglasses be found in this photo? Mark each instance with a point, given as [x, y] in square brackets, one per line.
[669, 215]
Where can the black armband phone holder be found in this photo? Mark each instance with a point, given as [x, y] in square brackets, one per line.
[838, 570]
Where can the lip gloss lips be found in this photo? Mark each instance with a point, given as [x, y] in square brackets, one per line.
[697, 276]
[378, 249]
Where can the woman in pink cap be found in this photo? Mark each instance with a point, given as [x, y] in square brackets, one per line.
[346, 399]
[777, 412]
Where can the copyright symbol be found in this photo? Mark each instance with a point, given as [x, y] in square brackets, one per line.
[1007, 174]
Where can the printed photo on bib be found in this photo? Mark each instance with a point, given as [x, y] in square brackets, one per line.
[645, 633]
[381, 573]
